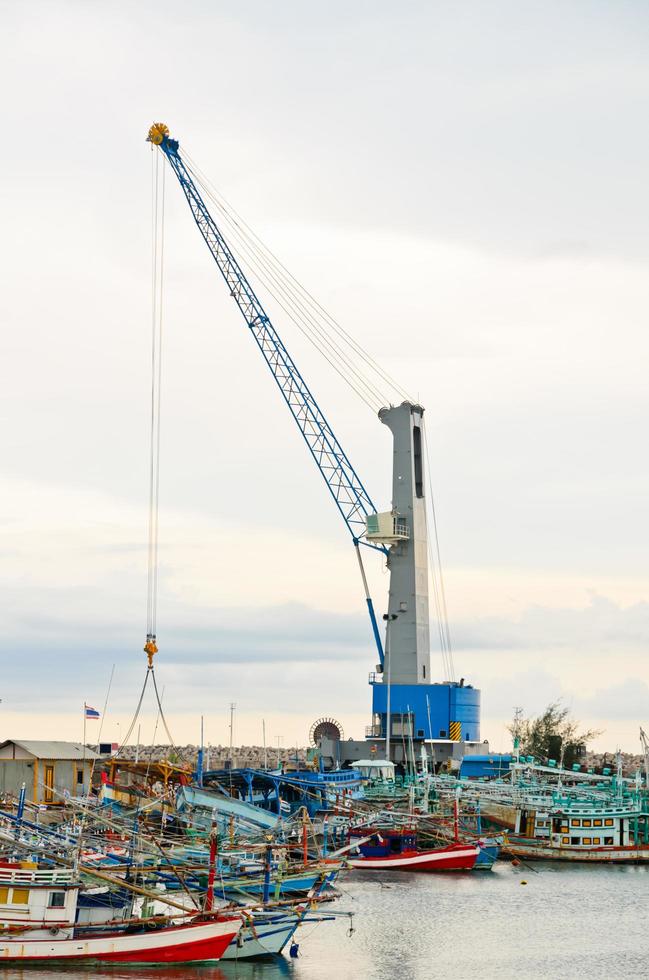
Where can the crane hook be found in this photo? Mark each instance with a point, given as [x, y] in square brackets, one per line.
[150, 648]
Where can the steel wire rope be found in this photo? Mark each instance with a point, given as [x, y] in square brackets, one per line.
[307, 324]
[300, 296]
[291, 295]
[158, 406]
[163, 719]
[314, 334]
[344, 334]
[438, 610]
[446, 626]
[135, 716]
[155, 181]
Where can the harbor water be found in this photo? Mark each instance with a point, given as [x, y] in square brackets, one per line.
[542, 922]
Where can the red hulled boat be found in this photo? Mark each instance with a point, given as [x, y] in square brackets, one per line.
[396, 850]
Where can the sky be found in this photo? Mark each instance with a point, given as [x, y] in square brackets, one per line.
[464, 187]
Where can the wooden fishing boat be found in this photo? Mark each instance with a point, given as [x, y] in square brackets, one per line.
[603, 831]
[193, 942]
[396, 850]
[38, 910]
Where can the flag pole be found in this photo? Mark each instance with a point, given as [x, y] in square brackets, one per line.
[83, 757]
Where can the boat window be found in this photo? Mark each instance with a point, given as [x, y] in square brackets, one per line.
[597, 823]
[608, 840]
[586, 823]
[20, 896]
[588, 840]
[597, 840]
[565, 840]
[608, 822]
[4, 896]
[574, 823]
[57, 900]
[564, 828]
[575, 840]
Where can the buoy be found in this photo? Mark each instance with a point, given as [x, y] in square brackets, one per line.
[294, 950]
[523, 882]
[516, 862]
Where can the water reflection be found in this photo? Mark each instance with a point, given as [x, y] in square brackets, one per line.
[572, 922]
[272, 968]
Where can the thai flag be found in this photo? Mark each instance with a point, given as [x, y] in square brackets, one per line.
[90, 712]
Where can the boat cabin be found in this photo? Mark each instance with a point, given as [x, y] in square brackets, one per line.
[31, 896]
[583, 824]
[383, 842]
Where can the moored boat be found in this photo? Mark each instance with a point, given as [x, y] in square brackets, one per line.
[396, 850]
[38, 912]
[192, 942]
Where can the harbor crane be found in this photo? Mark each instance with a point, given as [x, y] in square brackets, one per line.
[446, 711]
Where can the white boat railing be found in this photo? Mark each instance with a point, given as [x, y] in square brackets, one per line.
[38, 876]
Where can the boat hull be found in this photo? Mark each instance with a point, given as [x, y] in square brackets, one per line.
[194, 943]
[459, 857]
[268, 935]
[600, 855]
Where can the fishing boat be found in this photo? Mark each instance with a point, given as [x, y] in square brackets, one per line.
[266, 933]
[396, 849]
[192, 942]
[582, 830]
[38, 912]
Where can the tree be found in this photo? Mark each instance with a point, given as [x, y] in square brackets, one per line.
[553, 735]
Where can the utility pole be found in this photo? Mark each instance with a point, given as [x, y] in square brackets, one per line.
[232, 707]
[279, 739]
[389, 618]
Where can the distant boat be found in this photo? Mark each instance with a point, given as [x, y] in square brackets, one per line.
[580, 829]
[396, 850]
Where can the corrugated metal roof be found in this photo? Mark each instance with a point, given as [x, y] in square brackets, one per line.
[53, 750]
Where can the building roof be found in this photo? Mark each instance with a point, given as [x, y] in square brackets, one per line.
[53, 750]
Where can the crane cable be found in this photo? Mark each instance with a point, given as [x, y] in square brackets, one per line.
[313, 315]
[437, 577]
[348, 338]
[157, 292]
[256, 263]
[157, 281]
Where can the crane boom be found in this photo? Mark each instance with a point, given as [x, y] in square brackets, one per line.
[349, 494]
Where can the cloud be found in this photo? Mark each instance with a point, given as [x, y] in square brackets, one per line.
[602, 627]
[628, 700]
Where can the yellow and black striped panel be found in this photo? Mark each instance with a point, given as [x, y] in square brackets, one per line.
[455, 731]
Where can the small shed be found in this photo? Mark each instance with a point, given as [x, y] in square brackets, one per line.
[51, 771]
